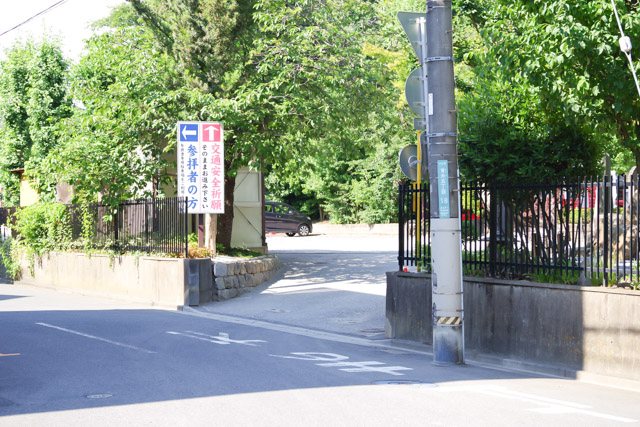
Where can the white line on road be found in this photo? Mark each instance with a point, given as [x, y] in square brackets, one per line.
[323, 335]
[222, 338]
[555, 406]
[93, 337]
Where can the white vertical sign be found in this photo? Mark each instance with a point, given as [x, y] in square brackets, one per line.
[201, 166]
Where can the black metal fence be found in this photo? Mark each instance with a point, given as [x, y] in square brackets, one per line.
[567, 231]
[146, 225]
[413, 220]
[5, 215]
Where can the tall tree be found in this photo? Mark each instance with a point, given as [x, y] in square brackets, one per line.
[351, 174]
[568, 52]
[33, 98]
[281, 74]
[129, 98]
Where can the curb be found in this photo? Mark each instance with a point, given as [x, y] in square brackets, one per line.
[356, 229]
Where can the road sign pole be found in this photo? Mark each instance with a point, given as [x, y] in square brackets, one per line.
[422, 34]
[418, 194]
[446, 258]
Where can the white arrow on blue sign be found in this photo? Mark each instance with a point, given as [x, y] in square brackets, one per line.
[189, 132]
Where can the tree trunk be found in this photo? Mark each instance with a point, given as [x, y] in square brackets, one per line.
[636, 154]
[225, 221]
[210, 228]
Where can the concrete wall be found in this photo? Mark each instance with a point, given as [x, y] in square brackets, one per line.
[156, 280]
[163, 281]
[570, 328]
[28, 194]
[364, 229]
[408, 307]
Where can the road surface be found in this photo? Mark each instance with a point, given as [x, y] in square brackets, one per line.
[68, 360]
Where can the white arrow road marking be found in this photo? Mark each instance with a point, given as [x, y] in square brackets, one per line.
[554, 406]
[338, 361]
[222, 338]
[93, 337]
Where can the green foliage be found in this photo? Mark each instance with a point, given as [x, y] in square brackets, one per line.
[556, 70]
[197, 252]
[33, 98]
[211, 46]
[115, 144]
[296, 85]
[470, 230]
[582, 216]
[599, 281]
[507, 136]
[557, 277]
[121, 15]
[9, 258]
[87, 228]
[350, 171]
[43, 227]
[236, 252]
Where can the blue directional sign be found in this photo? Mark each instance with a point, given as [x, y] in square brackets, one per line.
[188, 132]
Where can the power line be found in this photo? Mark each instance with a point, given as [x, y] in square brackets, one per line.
[34, 16]
[625, 46]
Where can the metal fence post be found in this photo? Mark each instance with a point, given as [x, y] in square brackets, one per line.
[401, 227]
[605, 248]
[115, 228]
[493, 231]
[146, 222]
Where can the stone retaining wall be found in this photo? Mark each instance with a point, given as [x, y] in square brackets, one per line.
[233, 276]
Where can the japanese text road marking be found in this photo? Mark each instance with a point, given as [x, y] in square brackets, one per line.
[93, 337]
[222, 338]
[339, 361]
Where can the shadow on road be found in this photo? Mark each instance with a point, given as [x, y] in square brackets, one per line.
[66, 360]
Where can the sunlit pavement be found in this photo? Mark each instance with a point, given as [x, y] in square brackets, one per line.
[335, 283]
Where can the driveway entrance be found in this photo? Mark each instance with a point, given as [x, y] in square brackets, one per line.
[332, 282]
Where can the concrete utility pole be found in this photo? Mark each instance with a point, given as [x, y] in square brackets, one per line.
[446, 258]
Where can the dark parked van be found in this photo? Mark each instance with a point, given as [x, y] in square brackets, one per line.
[282, 218]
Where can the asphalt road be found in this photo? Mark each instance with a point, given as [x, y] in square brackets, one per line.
[71, 360]
[334, 283]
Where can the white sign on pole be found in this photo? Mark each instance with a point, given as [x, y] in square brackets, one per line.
[201, 166]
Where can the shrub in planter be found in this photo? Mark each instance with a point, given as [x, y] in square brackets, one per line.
[43, 227]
